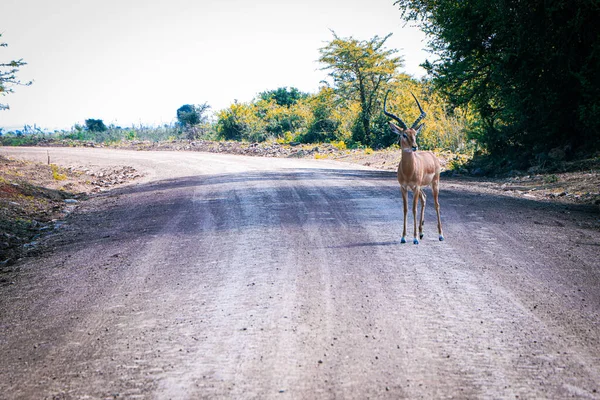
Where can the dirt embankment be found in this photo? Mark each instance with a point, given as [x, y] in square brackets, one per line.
[35, 198]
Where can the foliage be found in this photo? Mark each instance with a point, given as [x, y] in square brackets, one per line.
[280, 120]
[346, 113]
[95, 125]
[115, 134]
[193, 119]
[552, 178]
[15, 139]
[189, 114]
[8, 76]
[324, 123]
[240, 122]
[263, 119]
[341, 145]
[56, 175]
[527, 68]
[283, 96]
[360, 71]
[328, 116]
[30, 136]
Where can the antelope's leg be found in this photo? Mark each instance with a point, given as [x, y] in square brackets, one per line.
[422, 219]
[404, 191]
[416, 196]
[435, 187]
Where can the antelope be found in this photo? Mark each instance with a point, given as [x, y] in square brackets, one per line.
[416, 170]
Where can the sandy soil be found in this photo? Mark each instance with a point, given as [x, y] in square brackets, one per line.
[219, 276]
[36, 197]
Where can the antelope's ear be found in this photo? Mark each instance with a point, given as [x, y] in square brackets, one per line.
[419, 128]
[396, 129]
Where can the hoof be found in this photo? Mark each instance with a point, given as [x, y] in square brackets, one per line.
[415, 241]
[421, 236]
[403, 240]
[441, 238]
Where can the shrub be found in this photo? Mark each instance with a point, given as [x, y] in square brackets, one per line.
[95, 125]
[341, 145]
[56, 175]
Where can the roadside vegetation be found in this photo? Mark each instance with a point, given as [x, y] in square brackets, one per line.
[512, 86]
[283, 115]
[345, 112]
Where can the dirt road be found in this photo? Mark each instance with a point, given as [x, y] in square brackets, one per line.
[222, 276]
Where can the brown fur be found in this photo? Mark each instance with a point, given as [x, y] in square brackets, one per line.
[416, 170]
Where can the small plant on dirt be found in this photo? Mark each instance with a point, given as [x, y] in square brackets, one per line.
[287, 138]
[341, 145]
[551, 179]
[457, 162]
[56, 173]
[130, 135]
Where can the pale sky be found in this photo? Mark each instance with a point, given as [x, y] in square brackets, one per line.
[137, 61]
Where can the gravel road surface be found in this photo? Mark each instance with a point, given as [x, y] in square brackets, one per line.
[220, 276]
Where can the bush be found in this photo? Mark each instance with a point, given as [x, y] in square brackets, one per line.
[341, 145]
[56, 175]
[95, 125]
[284, 96]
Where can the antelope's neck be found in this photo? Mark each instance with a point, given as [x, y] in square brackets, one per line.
[408, 162]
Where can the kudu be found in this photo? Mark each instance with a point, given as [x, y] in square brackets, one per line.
[416, 170]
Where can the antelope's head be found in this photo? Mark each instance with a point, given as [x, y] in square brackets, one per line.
[406, 136]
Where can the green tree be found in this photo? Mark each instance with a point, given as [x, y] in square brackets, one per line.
[325, 123]
[528, 68]
[95, 125]
[262, 120]
[284, 96]
[190, 115]
[279, 120]
[360, 70]
[193, 118]
[8, 76]
[241, 122]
